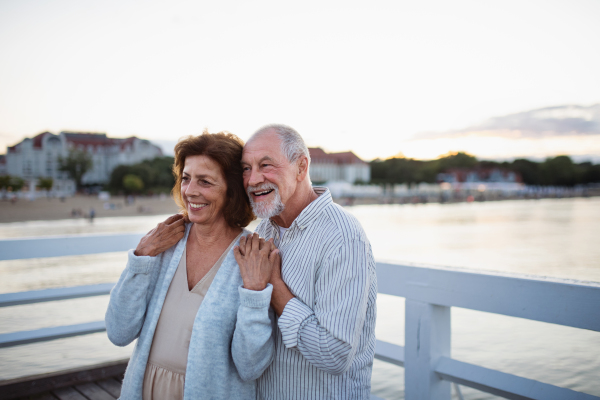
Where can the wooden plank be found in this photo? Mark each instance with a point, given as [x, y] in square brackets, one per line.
[30, 385]
[93, 391]
[112, 386]
[569, 303]
[40, 296]
[68, 393]
[45, 334]
[68, 245]
[503, 384]
[388, 352]
[43, 396]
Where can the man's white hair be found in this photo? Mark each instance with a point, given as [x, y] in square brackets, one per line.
[292, 144]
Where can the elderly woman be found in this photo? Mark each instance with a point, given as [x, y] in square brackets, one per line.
[202, 322]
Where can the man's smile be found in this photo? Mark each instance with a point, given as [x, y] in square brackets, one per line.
[262, 193]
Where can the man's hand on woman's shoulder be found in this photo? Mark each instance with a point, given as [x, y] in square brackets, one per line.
[164, 236]
[256, 258]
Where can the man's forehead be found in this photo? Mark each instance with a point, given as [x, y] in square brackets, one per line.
[267, 144]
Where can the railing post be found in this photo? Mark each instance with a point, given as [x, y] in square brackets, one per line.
[427, 338]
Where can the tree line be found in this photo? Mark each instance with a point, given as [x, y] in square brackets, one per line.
[147, 177]
[554, 171]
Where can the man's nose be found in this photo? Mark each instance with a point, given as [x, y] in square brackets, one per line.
[255, 178]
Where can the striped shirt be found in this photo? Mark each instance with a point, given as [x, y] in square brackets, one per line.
[325, 338]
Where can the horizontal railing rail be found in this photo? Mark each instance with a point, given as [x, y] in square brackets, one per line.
[429, 292]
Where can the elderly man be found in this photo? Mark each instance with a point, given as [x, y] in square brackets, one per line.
[325, 291]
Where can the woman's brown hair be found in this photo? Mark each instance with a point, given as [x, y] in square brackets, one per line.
[226, 150]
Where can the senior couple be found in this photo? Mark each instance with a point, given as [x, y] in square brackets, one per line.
[220, 313]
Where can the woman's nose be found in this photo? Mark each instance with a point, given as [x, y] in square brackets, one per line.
[191, 189]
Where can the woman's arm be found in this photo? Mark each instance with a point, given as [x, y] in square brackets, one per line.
[252, 347]
[130, 297]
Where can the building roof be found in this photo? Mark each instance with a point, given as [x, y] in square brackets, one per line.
[319, 156]
[37, 140]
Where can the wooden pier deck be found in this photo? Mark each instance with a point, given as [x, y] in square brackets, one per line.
[98, 382]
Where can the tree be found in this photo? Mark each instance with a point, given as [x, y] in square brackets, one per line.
[133, 183]
[529, 170]
[77, 163]
[559, 171]
[45, 183]
[4, 181]
[16, 183]
[156, 175]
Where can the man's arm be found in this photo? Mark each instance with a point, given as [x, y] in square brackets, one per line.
[327, 334]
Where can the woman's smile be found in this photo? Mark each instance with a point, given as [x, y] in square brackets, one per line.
[196, 206]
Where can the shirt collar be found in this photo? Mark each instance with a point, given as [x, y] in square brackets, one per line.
[313, 210]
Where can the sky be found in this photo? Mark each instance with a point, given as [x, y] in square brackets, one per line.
[367, 76]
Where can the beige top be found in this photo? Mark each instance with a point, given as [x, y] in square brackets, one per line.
[165, 372]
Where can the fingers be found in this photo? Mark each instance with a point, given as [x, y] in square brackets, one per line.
[240, 260]
[273, 256]
[248, 243]
[256, 241]
[242, 246]
[173, 218]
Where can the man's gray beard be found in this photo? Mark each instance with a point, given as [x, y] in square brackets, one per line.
[266, 209]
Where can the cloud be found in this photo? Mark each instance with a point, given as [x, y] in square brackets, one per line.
[566, 120]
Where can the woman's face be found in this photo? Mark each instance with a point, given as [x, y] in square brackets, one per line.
[203, 189]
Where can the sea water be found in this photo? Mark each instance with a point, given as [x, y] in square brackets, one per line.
[551, 237]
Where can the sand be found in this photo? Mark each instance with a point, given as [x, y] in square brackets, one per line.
[54, 208]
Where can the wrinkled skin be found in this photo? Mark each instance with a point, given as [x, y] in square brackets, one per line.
[257, 259]
[165, 235]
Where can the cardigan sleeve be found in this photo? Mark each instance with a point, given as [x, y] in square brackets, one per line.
[130, 297]
[252, 347]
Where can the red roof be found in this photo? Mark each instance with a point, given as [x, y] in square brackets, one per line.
[37, 140]
[318, 156]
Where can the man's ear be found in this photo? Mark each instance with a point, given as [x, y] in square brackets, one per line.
[302, 168]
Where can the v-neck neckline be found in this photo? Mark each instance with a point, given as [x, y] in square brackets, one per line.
[217, 265]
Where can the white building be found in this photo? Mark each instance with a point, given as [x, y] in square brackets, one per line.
[344, 167]
[39, 157]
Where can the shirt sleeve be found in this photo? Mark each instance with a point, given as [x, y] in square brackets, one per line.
[327, 334]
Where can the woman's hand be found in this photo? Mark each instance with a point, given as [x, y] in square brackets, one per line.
[159, 239]
[256, 259]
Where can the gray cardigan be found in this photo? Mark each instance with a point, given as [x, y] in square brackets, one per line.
[231, 343]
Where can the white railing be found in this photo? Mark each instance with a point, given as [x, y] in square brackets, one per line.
[430, 293]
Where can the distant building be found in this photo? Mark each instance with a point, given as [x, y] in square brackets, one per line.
[488, 175]
[345, 167]
[39, 157]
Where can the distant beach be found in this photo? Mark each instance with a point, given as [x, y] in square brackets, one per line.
[77, 207]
